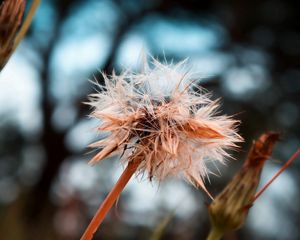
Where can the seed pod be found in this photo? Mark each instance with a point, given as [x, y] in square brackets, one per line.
[229, 209]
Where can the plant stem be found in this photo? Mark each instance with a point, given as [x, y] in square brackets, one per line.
[159, 230]
[109, 200]
[283, 168]
[215, 234]
[34, 5]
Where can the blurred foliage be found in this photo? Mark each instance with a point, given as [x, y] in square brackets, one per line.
[248, 53]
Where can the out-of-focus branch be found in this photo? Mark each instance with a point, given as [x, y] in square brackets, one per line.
[51, 139]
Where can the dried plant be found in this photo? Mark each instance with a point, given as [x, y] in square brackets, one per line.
[12, 29]
[11, 13]
[161, 123]
[230, 208]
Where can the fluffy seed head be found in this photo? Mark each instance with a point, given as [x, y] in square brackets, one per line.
[164, 120]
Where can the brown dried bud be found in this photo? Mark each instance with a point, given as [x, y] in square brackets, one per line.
[230, 208]
[11, 13]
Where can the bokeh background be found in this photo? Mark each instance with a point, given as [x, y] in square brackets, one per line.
[247, 52]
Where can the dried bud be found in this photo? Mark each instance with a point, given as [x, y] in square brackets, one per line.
[230, 208]
[11, 13]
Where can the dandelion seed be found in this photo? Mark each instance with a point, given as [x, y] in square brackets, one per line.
[162, 123]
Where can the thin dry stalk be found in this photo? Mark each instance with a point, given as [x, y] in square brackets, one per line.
[281, 170]
[33, 7]
[109, 201]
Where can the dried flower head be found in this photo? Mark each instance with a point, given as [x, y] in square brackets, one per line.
[162, 123]
[163, 120]
[230, 208]
[11, 13]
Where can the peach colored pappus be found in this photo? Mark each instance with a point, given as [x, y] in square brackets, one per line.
[162, 119]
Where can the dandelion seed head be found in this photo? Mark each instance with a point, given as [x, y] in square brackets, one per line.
[164, 120]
